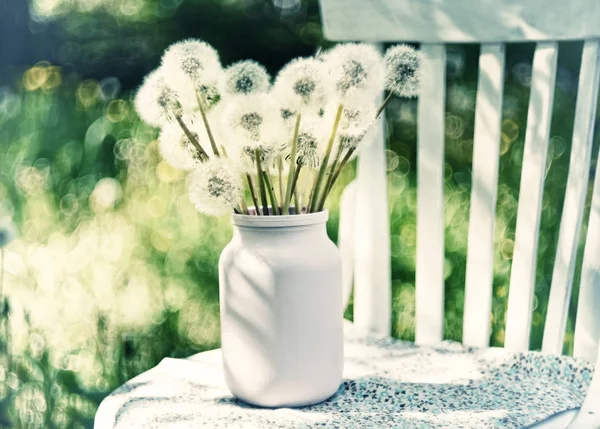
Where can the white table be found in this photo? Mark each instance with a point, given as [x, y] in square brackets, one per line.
[387, 383]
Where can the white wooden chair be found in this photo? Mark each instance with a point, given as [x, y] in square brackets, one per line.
[364, 228]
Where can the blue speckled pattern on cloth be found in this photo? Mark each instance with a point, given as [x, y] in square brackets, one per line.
[388, 384]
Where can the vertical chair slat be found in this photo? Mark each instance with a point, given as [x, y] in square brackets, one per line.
[430, 198]
[522, 276]
[587, 324]
[579, 167]
[347, 239]
[372, 271]
[486, 152]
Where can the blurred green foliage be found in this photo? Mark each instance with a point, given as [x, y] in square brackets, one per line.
[114, 270]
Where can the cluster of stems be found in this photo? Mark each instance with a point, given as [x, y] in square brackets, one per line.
[322, 181]
[260, 183]
[202, 154]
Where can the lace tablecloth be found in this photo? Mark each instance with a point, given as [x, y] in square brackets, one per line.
[387, 384]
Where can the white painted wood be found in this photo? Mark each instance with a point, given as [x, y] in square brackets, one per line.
[522, 276]
[347, 238]
[486, 154]
[587, 324]
[481, 21]
[430, 198]
[577, 183]
[589, 415]
[372, 270]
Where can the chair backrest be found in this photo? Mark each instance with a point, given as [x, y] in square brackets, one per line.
[492, 23]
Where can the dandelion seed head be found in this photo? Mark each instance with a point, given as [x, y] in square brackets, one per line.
[246, 77]
[254, 122]
[287, 114]
[193, 67]
[358, 116]
[312, 141]
[350, 141]
[210, 95]
[356, 69]
[255, 118]
[305, 87]
[196, 60]
[403, 70]
[176, 148]
[251, 122]
[308, 150]
[215, 187]
[303, 83]
[355, 75]
[354, 124]
[266, 153]
[243, 156]
[155, 101]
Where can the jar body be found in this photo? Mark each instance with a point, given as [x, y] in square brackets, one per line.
[281, 312]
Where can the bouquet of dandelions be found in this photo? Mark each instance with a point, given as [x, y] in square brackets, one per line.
[285, 143]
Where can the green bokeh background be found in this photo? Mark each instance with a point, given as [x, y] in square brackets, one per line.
[114, 270]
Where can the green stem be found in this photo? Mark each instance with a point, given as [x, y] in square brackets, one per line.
[296, 176]
[295, 190]
[288, 193]
[207, 125]
[252, 192]
[243, 206]
[328, 184]
[261, 183]
[319, 180]
[192, 138]
[274, 202]
[297, 203]
[384, 104]
[310, 194]
[280, 168]
[339, 169]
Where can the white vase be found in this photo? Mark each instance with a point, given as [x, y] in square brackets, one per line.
[281, 310]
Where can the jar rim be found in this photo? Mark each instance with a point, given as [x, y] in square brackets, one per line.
[304, 219]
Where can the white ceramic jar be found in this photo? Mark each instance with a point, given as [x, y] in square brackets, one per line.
[281, 310]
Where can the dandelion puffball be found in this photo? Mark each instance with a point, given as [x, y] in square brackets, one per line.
[312, 141]
[355, 123]
[215, 187]
[155, 101]
[253, 123]
[403, 70]
[358, 116]
[253, 118]
[357, 71]
[193, 68]
[246, 77]
[302, 84]
[175, 147]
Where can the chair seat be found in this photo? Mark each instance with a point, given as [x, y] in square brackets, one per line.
[387, 383]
